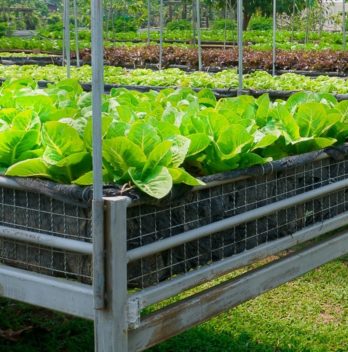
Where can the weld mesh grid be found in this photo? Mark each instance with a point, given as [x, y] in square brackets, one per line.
[39, 213]
[148, 223]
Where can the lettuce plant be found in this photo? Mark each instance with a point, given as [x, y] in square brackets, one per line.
[154, 140]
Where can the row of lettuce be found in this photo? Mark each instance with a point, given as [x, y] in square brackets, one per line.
[154, 140]
[227, 79]
[261, 40]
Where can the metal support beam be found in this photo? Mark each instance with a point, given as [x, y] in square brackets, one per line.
[148, 21]
[344, 24]
[98, 203]
[199, 34]
[197, 277]
[77, 49]
[48, 292]
[225, 27]
[308, 13]
[111, 323]
[274, 37]
[161, 34]
[66, 44]
[240, 45]
[42, 239]
[196, 309]
[222, 225]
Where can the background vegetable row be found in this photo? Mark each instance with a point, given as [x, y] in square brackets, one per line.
[119, 54]
[154, 140]
[259, 80]
[255, 39]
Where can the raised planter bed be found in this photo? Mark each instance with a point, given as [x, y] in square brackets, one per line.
[65, 211]
[219, 93]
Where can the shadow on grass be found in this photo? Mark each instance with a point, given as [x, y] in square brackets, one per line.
[44, 330]
[54, 332]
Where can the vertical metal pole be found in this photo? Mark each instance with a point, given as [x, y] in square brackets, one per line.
[161, 34]
[293, 20]
[63, 46]
[112, 322]
[67, 36]
[225, 29]
[274, 36]
[307, 22]
[194, 27]
[199, 34]
[344, 24]
[148, 21]
[98, 211]
[76, 35]
[240, 45]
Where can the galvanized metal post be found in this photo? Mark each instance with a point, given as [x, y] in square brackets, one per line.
[98, 203]
[344, 24]
[293, 20]
[148, 21]
[161, 34]
[199, 34]
[76, 35]
[274, 36]
[240, 45]
[225, 27]
[307, 22]
[66, 24]
[112, 322]
[63, 46]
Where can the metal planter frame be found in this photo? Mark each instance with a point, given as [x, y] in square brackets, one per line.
[119, 325]
[116, 313]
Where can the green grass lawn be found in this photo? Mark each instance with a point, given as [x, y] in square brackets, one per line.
[309, 314]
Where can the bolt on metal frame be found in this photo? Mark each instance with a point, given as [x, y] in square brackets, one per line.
[119, 326]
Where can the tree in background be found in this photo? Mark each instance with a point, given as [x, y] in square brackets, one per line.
[265, 8]
[19, 19]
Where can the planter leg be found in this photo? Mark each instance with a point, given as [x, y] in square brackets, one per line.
[111, 323]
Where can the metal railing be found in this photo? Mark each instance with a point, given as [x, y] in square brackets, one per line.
[118, 325]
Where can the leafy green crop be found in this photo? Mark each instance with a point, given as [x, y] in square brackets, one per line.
[156, 139]
[259, 80]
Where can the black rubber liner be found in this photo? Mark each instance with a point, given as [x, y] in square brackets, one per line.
[57, 60]
[63, 210]
[219, 93]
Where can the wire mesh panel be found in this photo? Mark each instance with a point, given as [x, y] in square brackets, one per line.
[39, 213]
[151, 223]
[148, 223]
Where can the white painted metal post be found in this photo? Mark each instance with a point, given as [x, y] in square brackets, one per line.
[225, 27]
[344, 24]
[293, 20]
[161, 34]
[66, 44]
[98, 210]
[148, 21]
[112, 322]
[76, 35]
[274, 36]
[199, 34]
[307, 22]
[240, 45]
